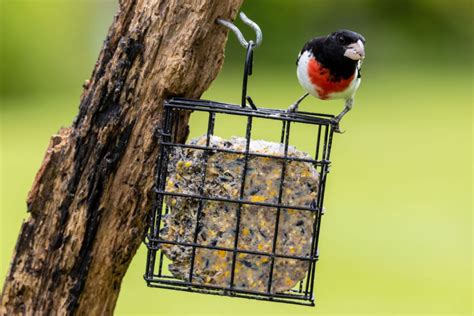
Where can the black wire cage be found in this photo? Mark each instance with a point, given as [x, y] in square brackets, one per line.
[318, 125]
[273, 260]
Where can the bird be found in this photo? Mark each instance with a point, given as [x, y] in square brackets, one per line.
[329, 67]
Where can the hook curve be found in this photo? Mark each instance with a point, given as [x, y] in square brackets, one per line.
[240, 37]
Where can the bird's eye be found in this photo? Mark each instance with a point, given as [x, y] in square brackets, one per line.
[341, 39]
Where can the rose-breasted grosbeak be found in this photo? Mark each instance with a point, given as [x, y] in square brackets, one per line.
[329, 68]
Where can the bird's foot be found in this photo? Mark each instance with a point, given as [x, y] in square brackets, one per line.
[336, 127]
[293, 108]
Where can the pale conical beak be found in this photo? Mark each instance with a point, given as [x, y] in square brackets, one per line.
[355, 51]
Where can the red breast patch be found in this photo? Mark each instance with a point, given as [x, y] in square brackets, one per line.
[324, 82]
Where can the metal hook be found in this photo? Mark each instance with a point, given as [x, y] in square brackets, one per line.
[240, 37]
[249, 46]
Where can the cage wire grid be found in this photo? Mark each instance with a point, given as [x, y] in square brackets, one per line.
[155, 276]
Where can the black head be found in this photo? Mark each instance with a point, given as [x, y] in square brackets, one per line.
[345, 44]
[340, 52]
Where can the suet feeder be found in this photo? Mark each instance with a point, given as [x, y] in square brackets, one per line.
[238, 217]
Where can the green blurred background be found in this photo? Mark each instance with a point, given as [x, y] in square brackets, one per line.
[397, 235]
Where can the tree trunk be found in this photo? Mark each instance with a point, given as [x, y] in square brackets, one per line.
[92, 193]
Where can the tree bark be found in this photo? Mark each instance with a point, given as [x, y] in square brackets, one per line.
[89, 202]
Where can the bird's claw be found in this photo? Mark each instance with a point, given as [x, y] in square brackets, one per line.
[338, 130]
[336, 127]
[292, 108]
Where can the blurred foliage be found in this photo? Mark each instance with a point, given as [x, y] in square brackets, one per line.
[50, 46]
[410, 32]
